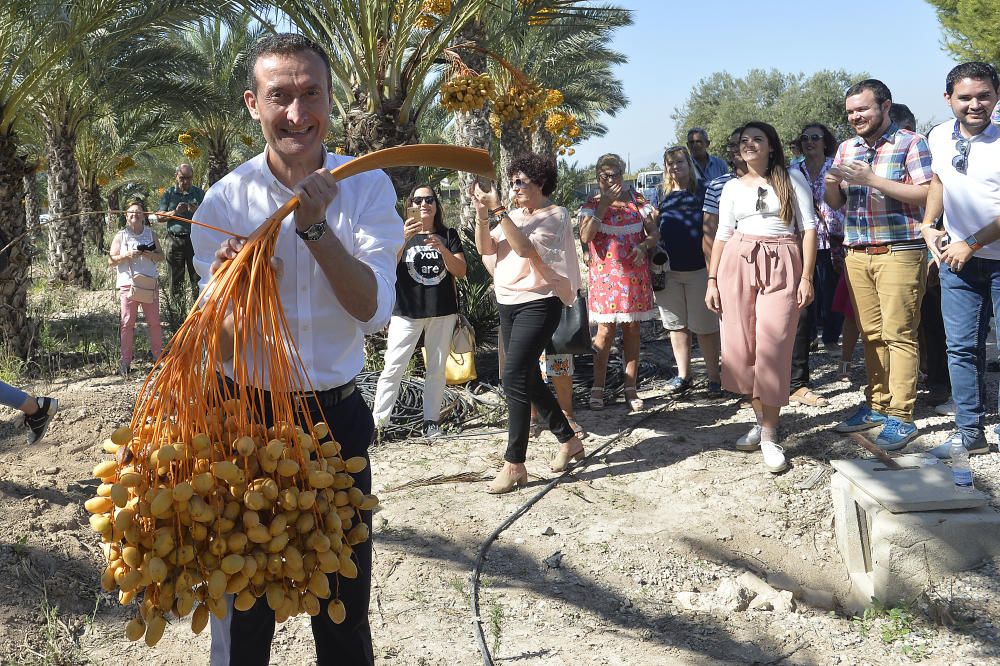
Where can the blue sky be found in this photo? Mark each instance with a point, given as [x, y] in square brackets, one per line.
[674, 44]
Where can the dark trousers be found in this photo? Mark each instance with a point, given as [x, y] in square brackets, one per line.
[800, 351]
[347, 644]
[180, 259]
[526, 329]
[933, 347]
[825, 281]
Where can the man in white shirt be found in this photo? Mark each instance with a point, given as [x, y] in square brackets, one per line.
[965, 155]
[337, 254]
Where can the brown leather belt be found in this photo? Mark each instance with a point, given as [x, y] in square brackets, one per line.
[870, 249]
[886, 248]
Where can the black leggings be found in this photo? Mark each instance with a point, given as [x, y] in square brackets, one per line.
[526, 329]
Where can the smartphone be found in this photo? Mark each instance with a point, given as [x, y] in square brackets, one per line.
[413, 211]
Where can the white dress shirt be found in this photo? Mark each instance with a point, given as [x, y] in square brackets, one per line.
[363, 217]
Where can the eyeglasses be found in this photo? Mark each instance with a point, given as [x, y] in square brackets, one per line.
[423, 200]
[961, 161]
[810, 137]
[519, 183]
[870, 156]
[608, 175]
[761, 206]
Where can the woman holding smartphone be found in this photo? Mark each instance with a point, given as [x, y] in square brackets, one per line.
[426, 303]
[136, 250]
[759, 279]
[531, 255]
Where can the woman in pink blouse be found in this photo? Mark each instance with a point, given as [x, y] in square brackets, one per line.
[531, 255]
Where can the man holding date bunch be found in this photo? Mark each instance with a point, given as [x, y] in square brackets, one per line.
[881, 177]
[181, 200]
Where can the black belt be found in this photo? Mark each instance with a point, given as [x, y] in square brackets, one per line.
[173, 235]
[335, 395]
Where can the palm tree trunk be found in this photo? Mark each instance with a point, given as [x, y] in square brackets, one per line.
[541, 142]
[66, 235]
[96, 222]
[472, 128]
[514, 142]
[368, 131]
[16, 330]
[116, 220]
[218, 161]
[32, 201]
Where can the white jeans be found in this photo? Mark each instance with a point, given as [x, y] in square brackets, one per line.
[403, 335]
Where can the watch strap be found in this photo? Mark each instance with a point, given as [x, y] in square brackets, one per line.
[973, 242]
[313, 232]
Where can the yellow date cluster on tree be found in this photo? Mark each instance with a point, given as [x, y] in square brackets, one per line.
[564, 130]
[520, 103]
[183, 523]
[431, 11]
[468, 92]
[123, 165]
[543, 16]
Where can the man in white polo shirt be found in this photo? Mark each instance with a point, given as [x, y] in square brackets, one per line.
[965, 156]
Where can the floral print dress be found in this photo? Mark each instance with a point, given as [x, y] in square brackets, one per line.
[619, 289]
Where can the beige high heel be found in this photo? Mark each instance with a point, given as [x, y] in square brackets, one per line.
[597, 398]
[562, 459]
[506, 482]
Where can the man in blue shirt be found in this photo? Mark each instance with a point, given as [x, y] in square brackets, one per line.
[708, 167]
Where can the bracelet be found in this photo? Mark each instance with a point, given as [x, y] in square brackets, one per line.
[807, 279]
[497, 210]
[712, 277]
[486, 221]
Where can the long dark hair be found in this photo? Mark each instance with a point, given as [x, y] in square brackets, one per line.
[777, 169]
[439, 227]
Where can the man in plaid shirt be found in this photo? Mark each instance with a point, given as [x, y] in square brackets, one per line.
[882, 176]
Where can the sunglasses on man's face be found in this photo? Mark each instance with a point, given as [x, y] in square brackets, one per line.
[810, 137]
[423, 200]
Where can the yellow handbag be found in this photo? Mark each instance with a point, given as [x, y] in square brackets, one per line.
[458, 368]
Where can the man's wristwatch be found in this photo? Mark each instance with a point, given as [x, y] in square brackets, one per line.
[973, 242]
[313, 232]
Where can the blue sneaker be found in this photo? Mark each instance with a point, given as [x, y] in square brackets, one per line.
[714, 390]
[978, 446]
[864, 418]
[895, 434]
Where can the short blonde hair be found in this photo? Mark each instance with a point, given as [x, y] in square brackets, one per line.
[610, 159]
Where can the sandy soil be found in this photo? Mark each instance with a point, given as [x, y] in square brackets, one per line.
[594, 573]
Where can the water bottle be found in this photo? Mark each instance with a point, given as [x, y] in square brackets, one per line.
[960, 470]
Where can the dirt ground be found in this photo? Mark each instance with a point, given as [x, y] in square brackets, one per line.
[599, 571]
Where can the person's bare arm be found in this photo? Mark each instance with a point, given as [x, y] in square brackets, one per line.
[709, 225]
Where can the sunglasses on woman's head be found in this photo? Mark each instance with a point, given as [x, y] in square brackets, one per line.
[423, 200]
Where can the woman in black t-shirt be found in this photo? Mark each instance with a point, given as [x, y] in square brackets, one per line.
[426, 302]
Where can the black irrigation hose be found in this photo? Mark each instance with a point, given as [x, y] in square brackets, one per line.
[477, 621]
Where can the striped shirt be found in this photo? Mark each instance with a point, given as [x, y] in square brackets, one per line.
[872, 218]
[713, 192]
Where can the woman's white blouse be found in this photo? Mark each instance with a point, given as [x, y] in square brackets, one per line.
[738, 209]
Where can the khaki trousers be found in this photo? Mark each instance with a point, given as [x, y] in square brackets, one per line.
[886, 290]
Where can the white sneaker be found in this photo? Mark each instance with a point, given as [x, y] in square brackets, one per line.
[946, 408]
[749, 441]
[774, 457]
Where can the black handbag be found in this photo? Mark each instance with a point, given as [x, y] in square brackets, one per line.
[572, 336]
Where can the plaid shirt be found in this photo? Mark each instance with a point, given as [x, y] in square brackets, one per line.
[872, 218]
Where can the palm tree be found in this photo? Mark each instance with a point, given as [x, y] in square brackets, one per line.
[383, 54]
[34, 38]
[216, 54]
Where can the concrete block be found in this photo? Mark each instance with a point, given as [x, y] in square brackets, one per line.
[896, 556]
[914, 488]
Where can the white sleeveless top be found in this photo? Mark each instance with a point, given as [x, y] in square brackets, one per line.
[141, 265]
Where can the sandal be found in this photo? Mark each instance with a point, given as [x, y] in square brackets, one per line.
[577, 428]
[806, 397]
[597, 398]
[534, 429]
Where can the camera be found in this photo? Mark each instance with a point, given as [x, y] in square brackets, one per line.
[146, 247]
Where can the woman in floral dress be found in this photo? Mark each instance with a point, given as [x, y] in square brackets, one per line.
[619, 227]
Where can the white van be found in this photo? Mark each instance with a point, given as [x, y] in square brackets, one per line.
[647, 182]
